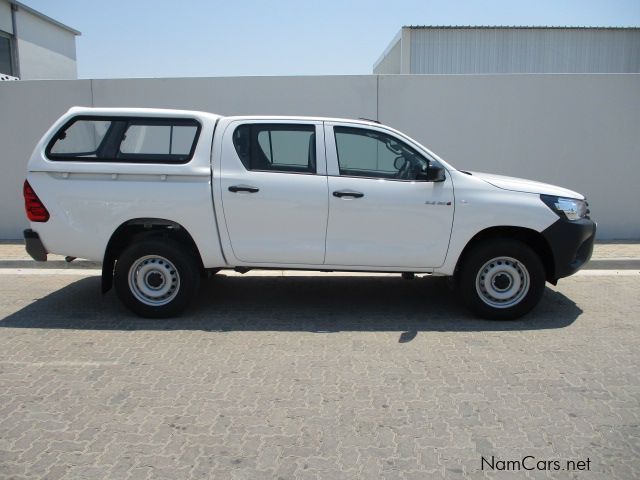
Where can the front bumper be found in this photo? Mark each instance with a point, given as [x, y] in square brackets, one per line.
[34, 245]
[571, 243]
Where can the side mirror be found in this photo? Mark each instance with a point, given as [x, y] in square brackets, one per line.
[434, 173]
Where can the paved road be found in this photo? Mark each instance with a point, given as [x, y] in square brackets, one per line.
[323, 377]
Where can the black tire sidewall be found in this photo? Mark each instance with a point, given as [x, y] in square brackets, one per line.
[484, 252]
[177, 254]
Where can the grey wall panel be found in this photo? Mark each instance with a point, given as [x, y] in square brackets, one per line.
[6, 24]
[577, 131]
[38, 31]
[46, 51]
[391, 62]
[27, 110]
[39, 63]
[331, 95]
[524, 50]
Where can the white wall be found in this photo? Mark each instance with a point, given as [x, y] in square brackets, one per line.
[46, 51]
[330, 95]
[27, 110]
[579, 131]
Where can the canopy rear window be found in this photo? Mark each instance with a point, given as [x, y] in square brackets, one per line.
[125, 139]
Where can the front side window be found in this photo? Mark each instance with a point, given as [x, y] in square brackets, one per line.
[276, 147]
[373, 154]
[135, 140]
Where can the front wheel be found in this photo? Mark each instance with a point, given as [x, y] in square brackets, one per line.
[156, 278]
[502, 279]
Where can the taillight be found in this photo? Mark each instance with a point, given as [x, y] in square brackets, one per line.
[36, 211]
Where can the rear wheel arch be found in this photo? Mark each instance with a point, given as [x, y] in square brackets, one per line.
[533, 239]
[138, 229]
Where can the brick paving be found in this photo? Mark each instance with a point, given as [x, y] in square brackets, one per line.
[319, 377]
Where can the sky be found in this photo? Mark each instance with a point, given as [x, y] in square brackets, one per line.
[196, 38]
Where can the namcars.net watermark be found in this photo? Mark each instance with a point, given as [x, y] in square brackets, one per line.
[529, 462]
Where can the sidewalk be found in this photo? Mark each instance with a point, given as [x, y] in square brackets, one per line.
[610, 255]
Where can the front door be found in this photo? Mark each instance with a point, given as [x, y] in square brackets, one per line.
[274, 191]
[380, 213]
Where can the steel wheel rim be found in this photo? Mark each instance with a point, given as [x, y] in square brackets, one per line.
[502, 282]
[154, 280]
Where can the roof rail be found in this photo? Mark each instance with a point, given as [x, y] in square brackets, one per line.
[369, 120]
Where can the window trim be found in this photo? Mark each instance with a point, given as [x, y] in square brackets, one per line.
[115, 139]
[277, 126]
[381, 132]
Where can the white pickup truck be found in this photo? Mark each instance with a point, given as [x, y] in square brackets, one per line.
[164, 197]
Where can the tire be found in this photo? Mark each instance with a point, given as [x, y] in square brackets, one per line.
[502, 279]
[156, 278]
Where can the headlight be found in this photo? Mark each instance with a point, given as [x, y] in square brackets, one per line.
[568, 208]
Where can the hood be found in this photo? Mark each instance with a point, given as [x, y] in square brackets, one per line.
[527, 186]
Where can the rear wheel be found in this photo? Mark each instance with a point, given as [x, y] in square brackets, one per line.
[502, 279]
[156, 278]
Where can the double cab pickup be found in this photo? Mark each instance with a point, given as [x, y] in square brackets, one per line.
[165, 197]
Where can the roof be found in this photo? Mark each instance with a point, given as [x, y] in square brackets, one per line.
[167, 112]
[513, 27]
[143, 112]
[44, 17]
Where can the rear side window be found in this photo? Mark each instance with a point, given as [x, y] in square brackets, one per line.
[80, 139]
[121, 139]
[276, 147]
[142, 139]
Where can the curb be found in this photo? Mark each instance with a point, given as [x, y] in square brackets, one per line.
[613, 264]
[594, 264]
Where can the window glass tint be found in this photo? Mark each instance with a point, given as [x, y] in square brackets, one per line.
[5, 56]
[266, 145]
[278, 147]
[146, 139]
[368, 153]
[158, 139]
[121, 139]
[81, 139]
[182, 139]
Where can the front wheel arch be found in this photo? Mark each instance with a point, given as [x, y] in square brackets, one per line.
[531, 238]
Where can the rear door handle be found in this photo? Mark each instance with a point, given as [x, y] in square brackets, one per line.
[243, 188]
[348, 193]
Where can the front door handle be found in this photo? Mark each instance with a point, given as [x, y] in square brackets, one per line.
[348, 193]
[243, 188]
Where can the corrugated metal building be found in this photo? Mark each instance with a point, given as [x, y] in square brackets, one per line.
[451, 50]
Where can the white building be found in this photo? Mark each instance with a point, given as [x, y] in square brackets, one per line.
[34, 46]
[478, 50]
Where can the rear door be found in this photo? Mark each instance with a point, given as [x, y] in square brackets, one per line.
[274, 191]
[380, 213]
